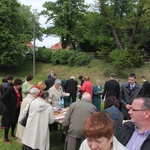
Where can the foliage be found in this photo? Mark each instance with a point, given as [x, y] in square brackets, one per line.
[122, 59]
[65, 16]
[15, 26]
[71, 58]
[44, 55]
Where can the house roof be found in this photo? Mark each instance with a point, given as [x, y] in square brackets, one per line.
[30, 45]
[58, 46]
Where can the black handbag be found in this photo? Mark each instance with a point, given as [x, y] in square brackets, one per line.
[23, 121]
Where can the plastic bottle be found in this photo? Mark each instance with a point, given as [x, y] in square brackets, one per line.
[59, 103]
[62, 103]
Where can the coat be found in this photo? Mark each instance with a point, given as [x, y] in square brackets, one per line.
[126, 133]
[20, 128]
[9, 99]
[26, 86]
[97, 91]
[87, 87]
[36, 133]
[111, 88]
[127, 96]
[146, 88]
[116, 145]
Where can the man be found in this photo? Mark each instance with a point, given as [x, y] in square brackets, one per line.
[111, 87]
[52, 73]
[146, 86]
[129, 90]
[71, 87]
[135, 135]
[81, 78]
[74, 120]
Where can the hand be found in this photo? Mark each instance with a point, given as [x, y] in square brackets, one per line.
[128, 106]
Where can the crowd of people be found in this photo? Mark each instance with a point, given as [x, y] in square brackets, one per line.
[124, 123]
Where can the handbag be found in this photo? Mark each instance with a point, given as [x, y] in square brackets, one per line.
[23, 121]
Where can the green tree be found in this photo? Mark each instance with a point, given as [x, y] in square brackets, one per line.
[16, 28]
[65, 16]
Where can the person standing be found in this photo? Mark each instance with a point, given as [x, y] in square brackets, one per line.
[71, 88]
[87, 86]
[111, 108]
[74, 120]
[27, 85]
[11, 99]
[36, 133]
[111, 87]
[129, 90]
[135, 134]
[97, 92]
[81, 78]
[146, 86]
[52, 73]
[33, 93]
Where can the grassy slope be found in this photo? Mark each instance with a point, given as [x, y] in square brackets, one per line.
[95, 70]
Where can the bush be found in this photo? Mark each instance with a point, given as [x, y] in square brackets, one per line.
[122, 59]
[44, 55]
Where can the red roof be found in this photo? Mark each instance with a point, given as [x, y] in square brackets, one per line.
[30, 45]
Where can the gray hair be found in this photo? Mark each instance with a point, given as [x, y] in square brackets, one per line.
[44, 95]
[57, 81]
[86, 96]
[34, 91]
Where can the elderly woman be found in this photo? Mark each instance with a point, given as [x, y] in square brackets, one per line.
[55, 92]
[111, 108]
[99, 132]
[36, 133]
[33, 93]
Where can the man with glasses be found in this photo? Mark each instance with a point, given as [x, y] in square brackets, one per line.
[128, 91]
[135, 135]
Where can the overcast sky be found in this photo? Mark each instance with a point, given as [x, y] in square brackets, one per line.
[37, 4]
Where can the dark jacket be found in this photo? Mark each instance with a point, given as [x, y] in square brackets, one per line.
[111, 88]
[146, 88]
[9, 99]
[71, 86]
[127, 96]
[126, 132]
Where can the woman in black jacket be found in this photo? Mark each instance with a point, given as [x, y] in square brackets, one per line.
[11, 99]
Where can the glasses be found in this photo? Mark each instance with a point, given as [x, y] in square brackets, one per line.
[137, 109]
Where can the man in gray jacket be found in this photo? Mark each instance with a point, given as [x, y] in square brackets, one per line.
[128, 91]
[74, 120]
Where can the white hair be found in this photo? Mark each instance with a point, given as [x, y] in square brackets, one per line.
[57, 81]
[34, 91]
[72, 77]
[86, 96]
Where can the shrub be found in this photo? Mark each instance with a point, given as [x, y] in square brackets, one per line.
[122, 59]
[44, 55]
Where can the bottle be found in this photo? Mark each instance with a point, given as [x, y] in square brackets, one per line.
[59, 103]
[62, 103]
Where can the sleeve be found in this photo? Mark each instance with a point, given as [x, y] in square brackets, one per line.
[121, 96]
[5, 97]
[103, 95]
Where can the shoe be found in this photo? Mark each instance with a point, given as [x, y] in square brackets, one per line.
[6, 141]
[12, 135]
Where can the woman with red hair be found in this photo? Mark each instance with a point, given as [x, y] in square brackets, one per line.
[99, 132]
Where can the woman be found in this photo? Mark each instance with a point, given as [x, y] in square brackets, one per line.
[87, 86]
[36, 133]
[97, 91]
[111, 108]
[55, 92]
[99, 132]
[11, 99]
[27, 85]
[33, 93]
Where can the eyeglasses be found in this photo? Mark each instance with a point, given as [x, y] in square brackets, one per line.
[137, 109]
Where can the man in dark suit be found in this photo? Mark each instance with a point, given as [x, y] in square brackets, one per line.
[111, 87]
[128, 92]
[146, 86]
[71, 87]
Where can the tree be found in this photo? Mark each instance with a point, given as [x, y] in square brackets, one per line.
[65, 16]
[16, 28]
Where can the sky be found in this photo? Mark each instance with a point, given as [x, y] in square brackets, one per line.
[37, 4]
